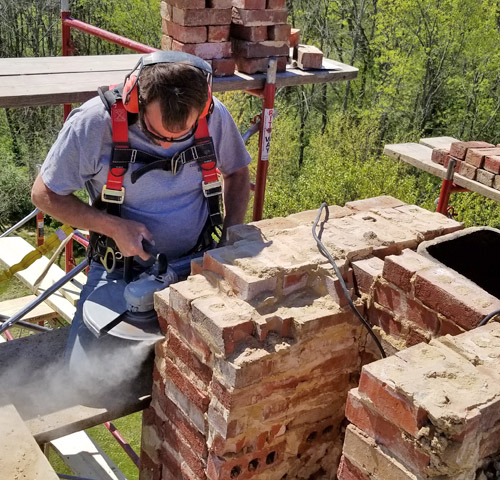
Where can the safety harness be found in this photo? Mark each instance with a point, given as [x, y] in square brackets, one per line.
[103, 248]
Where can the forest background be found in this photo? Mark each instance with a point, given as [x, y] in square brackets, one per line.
[426, 68]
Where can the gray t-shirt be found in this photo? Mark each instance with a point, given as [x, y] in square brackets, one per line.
[171, 206]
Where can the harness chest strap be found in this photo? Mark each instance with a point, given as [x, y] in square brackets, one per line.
[203, 152]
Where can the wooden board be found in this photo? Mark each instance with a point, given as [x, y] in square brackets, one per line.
[438, 142]
[85, 458]
[13, 250]
[20, 456]
[56, 80]
[40, 313]
[419, 156]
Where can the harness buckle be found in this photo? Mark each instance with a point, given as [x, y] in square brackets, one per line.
[211, 189]
[112, 196]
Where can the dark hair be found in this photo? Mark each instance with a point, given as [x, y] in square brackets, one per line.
[180, 88]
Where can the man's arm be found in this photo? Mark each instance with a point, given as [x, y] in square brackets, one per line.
[236, 195]
[69, 209]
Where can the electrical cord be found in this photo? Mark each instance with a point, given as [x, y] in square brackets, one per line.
[488, 317]
[326, 253]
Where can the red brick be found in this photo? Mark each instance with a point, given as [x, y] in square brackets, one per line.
[149, 470]
[267, 48]
[390, 404]
[166, 10]
[415, 337]
[484, 177]
[218, 33]
[294, 37]
[185, 34]
[204, 50]
[279, 32]
[453, 296]
[197, 263]
[258, 65]
[205, 16]
[439, 154]
[275, 4]
[457, 163]
[467, 170]
[219, 3]
[366, 271]
[309, 56]
[475, 156]
[250, 4]
[254, 18]
[400, 269]
[459, 149]
[199, 398]
[223, 67]
[492, 163]
[385, 433]
[449, 327]
[185, 452]
[187, 4]
[175, 348]
[347, 471]
[379, 316]
[252, 34]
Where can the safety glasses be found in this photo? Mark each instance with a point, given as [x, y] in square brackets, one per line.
[158, 138]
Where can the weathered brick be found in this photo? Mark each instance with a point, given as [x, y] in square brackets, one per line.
[347, 471]
[455, 297]
[492, 163]
[205, 16]
[176, 451]
[484, 177]
[364, 453]
[389, 403]
[250, 4]
[366, 271]
[384, 432]
[223, 67]
[221, 4]
[166, 10]
[279, 32]
[267, 48]
[275, 4]
[475, 156]
[187, 4]
[204, 50]
[458, 162]
[367, 204]
[294, 37]
[459, 149]
[252, 34]
[184, 34]
[253, 18]
[496, 182]
[218, 33]
[439, 155]
[400, 269]
[467, 170]
[309, 56]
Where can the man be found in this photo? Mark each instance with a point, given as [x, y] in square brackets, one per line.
[164, 208]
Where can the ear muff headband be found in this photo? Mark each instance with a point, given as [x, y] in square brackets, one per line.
[131, 82]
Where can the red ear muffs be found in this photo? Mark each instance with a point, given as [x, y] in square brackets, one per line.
[130, 96]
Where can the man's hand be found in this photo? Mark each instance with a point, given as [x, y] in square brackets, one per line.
[127, 234]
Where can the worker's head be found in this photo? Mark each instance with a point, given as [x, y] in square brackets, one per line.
[171, 92]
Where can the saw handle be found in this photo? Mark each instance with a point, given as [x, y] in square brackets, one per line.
[161, 258]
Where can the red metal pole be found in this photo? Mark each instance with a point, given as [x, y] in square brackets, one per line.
[446, 187]
[123, 443]
[266, 125]
[105, 35]
[67, 48]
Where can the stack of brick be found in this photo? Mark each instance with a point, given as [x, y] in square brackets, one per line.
[411, 299]
[201, 28]
[476, 160]
[260, 348]
[411, 419]
[259, 31]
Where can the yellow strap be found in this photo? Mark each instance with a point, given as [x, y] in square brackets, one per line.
[52, 241]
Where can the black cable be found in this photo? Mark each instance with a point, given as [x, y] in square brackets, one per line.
[326, 253]
[488, 317]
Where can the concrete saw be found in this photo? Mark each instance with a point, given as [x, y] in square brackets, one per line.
[126, 309]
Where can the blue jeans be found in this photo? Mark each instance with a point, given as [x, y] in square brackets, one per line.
[108, 360]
